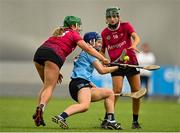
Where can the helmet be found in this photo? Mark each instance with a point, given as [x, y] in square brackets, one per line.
[90, 36]
[112, 11]
[71, 20]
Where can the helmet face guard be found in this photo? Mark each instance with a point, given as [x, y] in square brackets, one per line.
[71, 20]
[112, 12]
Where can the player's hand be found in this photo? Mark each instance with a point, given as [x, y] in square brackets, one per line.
[134, 48]
[60, 78]
[105, 61]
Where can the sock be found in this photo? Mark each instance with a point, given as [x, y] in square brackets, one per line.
[135, 118]
[42, 106]
[110, 116]
[64, 115]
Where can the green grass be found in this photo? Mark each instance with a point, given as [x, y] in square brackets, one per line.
[155, 115]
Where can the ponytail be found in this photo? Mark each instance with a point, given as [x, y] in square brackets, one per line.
[58, 32]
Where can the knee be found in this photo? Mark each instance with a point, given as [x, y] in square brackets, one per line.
[85, 107]
[117, 90]
[110, 93]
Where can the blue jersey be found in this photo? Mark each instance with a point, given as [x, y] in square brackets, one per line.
[83, 67]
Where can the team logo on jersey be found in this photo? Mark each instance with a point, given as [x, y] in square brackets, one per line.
[108, 37]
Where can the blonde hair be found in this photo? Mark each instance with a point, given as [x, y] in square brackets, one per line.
[58, 32]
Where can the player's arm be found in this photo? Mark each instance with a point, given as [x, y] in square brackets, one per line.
[136, 41]
[136, 38]
[103, 48]
[102, 51]
[89, 49]
[104, 69]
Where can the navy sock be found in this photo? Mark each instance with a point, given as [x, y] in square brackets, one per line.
[64, 115]
[135, 118]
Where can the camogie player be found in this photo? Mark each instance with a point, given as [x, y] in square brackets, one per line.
[118, 37]
[84, 92]
[50, 57]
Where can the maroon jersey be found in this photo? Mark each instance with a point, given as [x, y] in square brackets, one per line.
[64, 44]
[117, 40]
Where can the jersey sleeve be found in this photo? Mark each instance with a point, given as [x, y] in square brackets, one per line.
[130, 28]
[76, 37]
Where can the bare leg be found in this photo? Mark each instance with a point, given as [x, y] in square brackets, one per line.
[51, 74]
[84, 100]
[40, 70]
[108, 96]
[98, 94]
[134, 82]
[117, 86]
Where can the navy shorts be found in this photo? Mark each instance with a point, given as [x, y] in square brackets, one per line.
[75, 85]
[44, 54]
[125, 72]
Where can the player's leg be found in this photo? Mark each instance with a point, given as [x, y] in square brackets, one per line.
[117, 86]
[51, 73]
[40, 70]
[145, 84]
[147, 79]
[98, 94]
[83, 99]
[109, 121]
[135, 85]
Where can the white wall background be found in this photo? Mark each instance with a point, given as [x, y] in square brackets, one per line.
[25, 24]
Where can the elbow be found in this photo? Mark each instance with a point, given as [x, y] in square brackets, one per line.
[102, 71]
[136, 38]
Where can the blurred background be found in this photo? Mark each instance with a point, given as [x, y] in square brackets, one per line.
[26, 24]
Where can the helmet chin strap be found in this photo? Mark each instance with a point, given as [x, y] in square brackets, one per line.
[113, 27]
